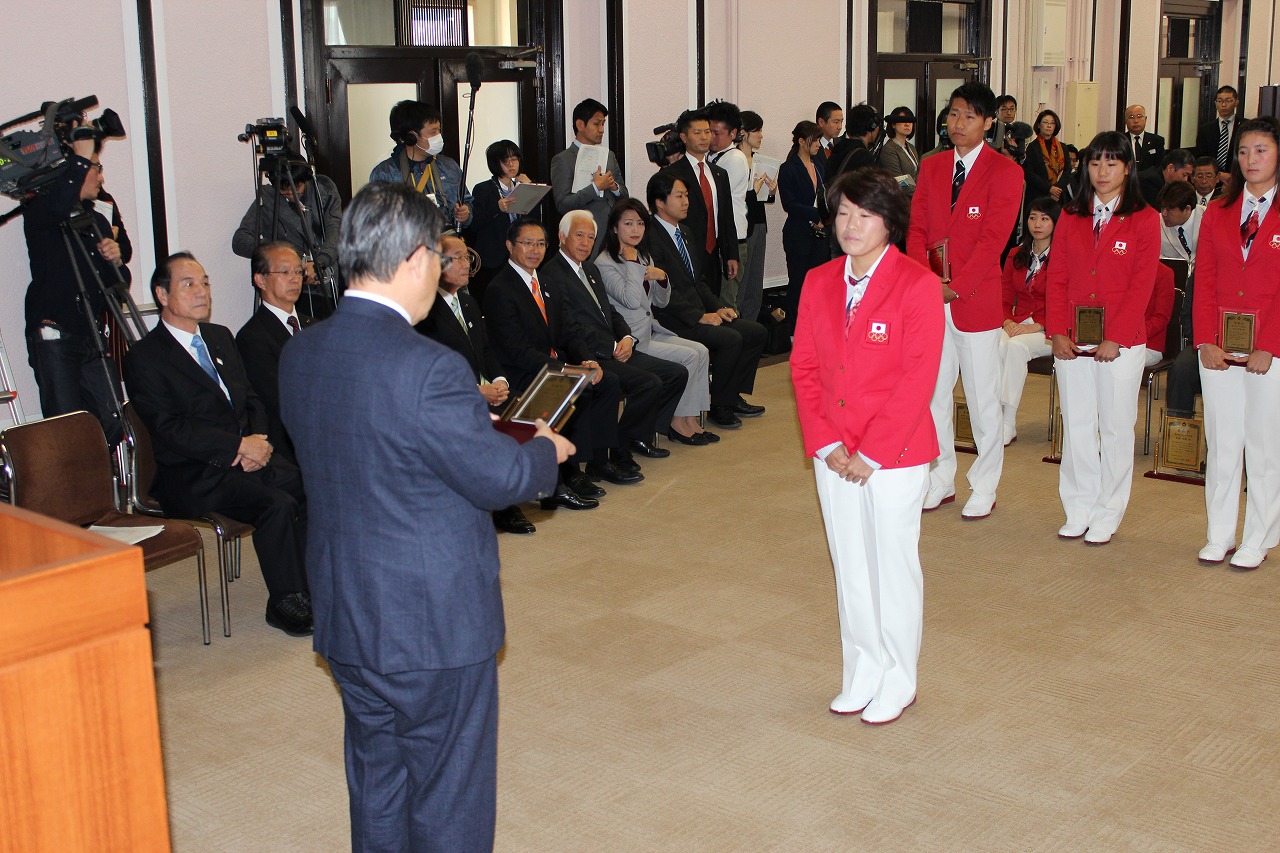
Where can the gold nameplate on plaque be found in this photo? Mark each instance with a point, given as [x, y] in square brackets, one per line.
[1237, 332]
[963, 426]
[1182, 445]
[1089, 324]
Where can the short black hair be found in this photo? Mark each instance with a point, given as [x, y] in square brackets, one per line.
[873, 189]
[523, 222]
[1205, 161]
[384, 225]
[1044, 204]
[688, 117]
[1176, 195]
[977, 96]
[612, 245]
[260, 260]
[751, 121]
[660, 187]
[825, 109]
[161, 277]
[499, 151]
[1267, 126]
[1179, 158]
[861, 120]
[1057, 122]
[1006, 99]
[1108, 145]
[408, 117]
[725, 112]
[1231, 89]
[585, 111]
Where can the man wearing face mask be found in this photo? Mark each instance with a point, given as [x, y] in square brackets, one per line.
[417, 160]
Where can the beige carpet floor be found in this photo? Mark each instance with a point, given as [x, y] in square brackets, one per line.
[671, 655]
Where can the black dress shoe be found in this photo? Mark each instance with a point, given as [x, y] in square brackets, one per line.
[582, 486]
[567, 498]
[710, 436]
[744, 409]
[512, 520]
[291, 614]
[612, 473]
[695, 440]
[624, 461]
[644, 448]
[723, 417]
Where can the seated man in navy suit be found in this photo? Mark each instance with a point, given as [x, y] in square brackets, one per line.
[652, 385]
[403, 467]
[210, 429]
[455, 321]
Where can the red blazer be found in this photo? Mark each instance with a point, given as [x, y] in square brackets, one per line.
[1225, 280]
[870, 391]
[1022, 298]
[1118, 274]
[1160, 310]
[979, 229]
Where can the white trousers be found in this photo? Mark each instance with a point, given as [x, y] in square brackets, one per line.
[1099, 409]
[1241, 414]
[696, 398]
[975, 356]
[873, 532]
[1015, 352]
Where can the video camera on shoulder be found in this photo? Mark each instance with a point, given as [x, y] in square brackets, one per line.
[668, 145]
[31, 160]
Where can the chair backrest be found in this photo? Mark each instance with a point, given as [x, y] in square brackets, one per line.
[142, 462]
[61, 467]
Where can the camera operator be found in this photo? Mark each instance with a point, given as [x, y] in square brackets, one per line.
[279, 217]
[417, 161]
[60, 347]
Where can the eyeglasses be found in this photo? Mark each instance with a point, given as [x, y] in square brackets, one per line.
[296, 272]
[1227, 100]
[532, 244]
[446, 261]
[97, 166]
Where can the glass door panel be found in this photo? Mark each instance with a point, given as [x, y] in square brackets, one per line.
[497, 117]
[368, 106]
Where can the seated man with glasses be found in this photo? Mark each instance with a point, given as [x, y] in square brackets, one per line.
[278, 273]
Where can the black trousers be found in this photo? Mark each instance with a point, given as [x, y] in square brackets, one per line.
[735, 355]
[71, 377]
[593, 429]
[804, 252]
[652, 387]
[1184, 383]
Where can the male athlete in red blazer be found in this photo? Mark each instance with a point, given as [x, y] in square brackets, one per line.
[871, 390]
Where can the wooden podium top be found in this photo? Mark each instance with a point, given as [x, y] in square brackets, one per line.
[57, 591]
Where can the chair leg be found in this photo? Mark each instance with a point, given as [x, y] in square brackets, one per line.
[224, 570]
[1153, 392]
[236, 562]
[202, 583]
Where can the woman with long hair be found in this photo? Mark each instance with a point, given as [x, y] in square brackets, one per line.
[1022, 336]
[1047, 166]
[1236, 322]
[490, 218]
[751, 255]
[634, 285]
[1105, 250]
[865, 362]
[800, 184]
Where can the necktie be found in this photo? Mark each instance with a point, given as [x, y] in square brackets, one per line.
[1100, 219]
[582, 275]
[292, 323]
[1137, 146]
[684, 253]
[851, 307]
[711, 209]
[1204, 200]
[1224, 141]
[205, 362]
[956, 183]
[1249, 230]
[1182, 238]
[542, 306]
[456, 306]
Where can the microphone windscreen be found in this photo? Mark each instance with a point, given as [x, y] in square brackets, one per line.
[475, 69]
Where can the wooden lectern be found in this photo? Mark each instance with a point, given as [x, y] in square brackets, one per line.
[80, 765]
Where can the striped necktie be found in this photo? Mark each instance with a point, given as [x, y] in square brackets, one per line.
[1224, 142]
[684, 253]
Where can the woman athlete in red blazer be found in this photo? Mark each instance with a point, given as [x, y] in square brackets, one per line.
[1105, 251]
[864, 365]
[1238, 271]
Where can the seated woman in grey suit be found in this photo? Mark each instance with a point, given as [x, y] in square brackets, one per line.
[898, 156]
[634, 285]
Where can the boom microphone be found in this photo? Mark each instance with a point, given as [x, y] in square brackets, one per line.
[475, 70]
[1021, 130]
[304, 124]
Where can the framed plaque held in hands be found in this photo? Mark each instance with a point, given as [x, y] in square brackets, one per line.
[1237, 332]
[1090, 321]
[550, 396]
[940, 258]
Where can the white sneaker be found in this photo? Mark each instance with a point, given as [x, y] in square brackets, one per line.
[938, 496]
[978, 506]
[1010, 435]
[1248, 558]
[1097, 537]
[1072, 531]
[845, 704]
[1214, 554]
[878, 713]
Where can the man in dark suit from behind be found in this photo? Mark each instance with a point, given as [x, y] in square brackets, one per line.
[854, 150]
[533, 328]
[455, 321]
[403, 467]
[710, 220]
[209, 431]
[278, 275]
[652, 385]
[1175, 165]
[694, 312]
[1148, 148]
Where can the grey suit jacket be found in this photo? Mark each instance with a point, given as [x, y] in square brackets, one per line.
[896, 161]
[562, 167]
[624, 284]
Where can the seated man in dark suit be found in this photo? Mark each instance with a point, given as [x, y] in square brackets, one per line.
[652, 386]
[694, 312]
[531, 323]
[1175, 165]
[209, 430]
[455, 321]
[278, 273]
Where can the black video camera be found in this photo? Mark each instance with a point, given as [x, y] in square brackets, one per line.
[31, 160]
[270, 137]
[668, 145]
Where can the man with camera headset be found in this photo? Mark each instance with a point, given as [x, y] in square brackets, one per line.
[417, 161]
